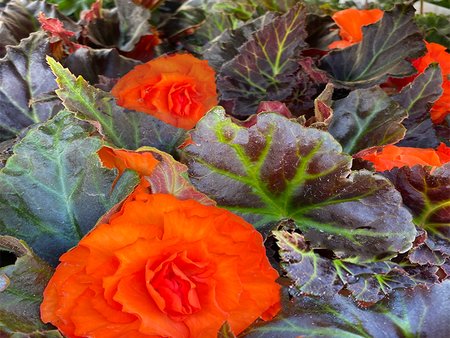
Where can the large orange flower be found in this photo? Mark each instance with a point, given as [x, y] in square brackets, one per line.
[178, 89]
[163, 267]
[350, 22]
[390, 156]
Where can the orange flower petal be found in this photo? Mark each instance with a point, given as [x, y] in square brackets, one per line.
[351, 21]
[163, 267]
[391, 156]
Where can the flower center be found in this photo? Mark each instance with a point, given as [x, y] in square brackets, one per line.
[181, 100]
[173, 285]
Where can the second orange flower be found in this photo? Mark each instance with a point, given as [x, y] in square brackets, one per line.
[178, 89]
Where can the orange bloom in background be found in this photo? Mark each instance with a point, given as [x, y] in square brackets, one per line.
[163, 267]
[390, 156]
[350, 22]
[437, 53]
[178, 89]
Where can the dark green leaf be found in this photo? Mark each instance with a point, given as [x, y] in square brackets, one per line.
[266, 65]
[322, 31]
[121, 27]
[382, 52]
[226, 46]
[95, 64]
[367, 118]
[278, 169]
[124, 128]
[435, 28]
[21, 286]
[417, 98]
[24, 77]
[53, 189]
[418, 312]
[185, 18]
[19, 19]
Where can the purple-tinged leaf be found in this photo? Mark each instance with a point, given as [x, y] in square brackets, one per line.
[323, 111]
[170, 177]
[308, 81]
[226, 46]
[427, 194]
[367, 118]
[93, 64]
[382, 52]
[22, 284]
[19, 19]
[418, 312]
[313, 275]
[266, 65]
[417, 99]
[277, 169]
[24, 78]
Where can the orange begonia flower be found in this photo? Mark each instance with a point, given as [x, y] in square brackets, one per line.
[390, 156]
[178, 89]
[350, 22]
[162, 267]
[437, 53]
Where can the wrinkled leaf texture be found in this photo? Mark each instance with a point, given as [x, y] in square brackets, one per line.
[24, 78]
[382, 52]
[266, 65]
[54, 188]
[277, 169]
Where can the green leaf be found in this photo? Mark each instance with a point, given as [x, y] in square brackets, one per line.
[367, 118]
[382, 52]
[53, 189]
[24, 77]
[265, 67]
[277, 169]
[21, 288]
[435, 28]
[19, 19]
[418, 312]
[312, 274]
[123, 128]
[417, 98]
